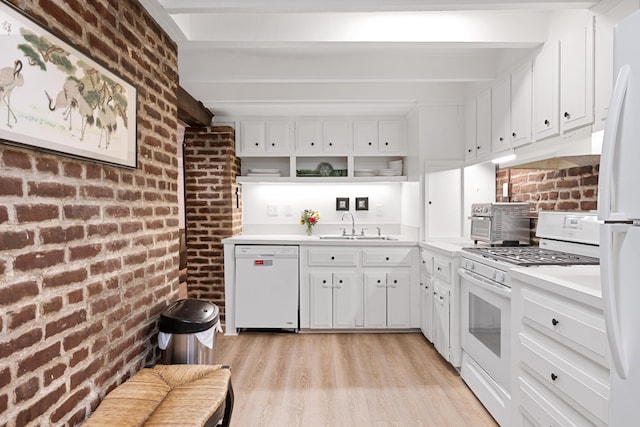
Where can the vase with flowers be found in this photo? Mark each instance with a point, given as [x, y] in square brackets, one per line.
[309, 218]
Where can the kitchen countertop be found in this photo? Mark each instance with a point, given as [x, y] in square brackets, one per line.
[578, 282]
[450, 247]
[296, 239]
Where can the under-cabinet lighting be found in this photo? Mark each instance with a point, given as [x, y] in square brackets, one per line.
[503, 159]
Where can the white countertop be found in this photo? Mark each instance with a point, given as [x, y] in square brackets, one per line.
[579, 282]
[450, 247]
[297, 239]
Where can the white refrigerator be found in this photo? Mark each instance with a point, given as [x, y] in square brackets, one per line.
[619, 208]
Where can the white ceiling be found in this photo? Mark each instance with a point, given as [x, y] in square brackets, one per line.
[275, 57]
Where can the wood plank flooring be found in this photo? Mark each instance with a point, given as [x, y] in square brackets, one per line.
[285, 379]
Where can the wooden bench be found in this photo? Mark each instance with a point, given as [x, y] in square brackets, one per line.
[169, 396]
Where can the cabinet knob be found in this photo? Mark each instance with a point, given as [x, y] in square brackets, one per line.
[387, 258]
[332, 257]
[501, 139]
[331, 144]
[395, 281]
[555, 322]
[386, 143]
[478, 147]
[273, 144]
[429, 201]
[469, 150]
[257, 144]
[553, 377]
[547, 122]
[513, 134]
[567, 115]
[370, 143]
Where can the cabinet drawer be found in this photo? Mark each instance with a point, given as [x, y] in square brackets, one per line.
[442, 269]
[540, 408]
[566, 378]
[333, 257]
[427, 262]
[565, 320]
[386, 256]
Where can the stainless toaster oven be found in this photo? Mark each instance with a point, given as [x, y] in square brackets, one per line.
[501, 223]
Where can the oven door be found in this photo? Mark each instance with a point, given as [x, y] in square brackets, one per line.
[486, 324]
[481, 228]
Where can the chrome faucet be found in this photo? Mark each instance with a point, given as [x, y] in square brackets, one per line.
[353, 222]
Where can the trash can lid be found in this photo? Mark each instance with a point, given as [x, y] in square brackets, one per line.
[187, 316]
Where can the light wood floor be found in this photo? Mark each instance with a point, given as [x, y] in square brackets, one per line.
[284, 379]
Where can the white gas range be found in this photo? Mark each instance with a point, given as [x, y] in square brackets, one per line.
[567, 238]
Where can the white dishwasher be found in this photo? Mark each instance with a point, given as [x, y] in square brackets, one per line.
[267, 286]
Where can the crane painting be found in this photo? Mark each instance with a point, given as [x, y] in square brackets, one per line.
[56, 98]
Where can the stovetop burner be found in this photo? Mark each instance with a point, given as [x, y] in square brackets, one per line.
[533, 255]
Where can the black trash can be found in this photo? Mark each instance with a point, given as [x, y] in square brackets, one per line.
[188, 332]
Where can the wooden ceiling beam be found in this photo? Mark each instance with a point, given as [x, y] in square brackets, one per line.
[192, 112]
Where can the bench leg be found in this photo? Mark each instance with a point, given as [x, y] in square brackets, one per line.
[228, 407]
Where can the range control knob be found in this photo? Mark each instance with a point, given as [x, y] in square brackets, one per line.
[470, 265]
[499, 276]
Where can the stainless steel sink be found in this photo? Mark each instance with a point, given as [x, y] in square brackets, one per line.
[347, 237]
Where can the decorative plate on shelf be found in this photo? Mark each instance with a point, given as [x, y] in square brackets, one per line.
[325, 169]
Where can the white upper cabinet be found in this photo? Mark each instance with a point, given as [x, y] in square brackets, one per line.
[337, 136]
[500, 112]
[264, 136]
[546, 91]
[576, 77]
[378, 136]
[391, 136]
[521, 100]
[470, 125]
[308, 136]
[483, 128]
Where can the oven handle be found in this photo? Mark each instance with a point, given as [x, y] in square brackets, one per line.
[503, 291]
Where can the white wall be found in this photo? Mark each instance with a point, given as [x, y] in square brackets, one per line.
[392, 206]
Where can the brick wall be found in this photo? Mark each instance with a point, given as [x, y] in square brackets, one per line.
[573, 189]
[211, 210]
[88, 252]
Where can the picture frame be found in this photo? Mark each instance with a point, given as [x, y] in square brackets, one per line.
[362, 203]
[342, 203]
[56, 98]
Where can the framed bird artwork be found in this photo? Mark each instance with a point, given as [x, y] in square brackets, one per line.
[56, 98]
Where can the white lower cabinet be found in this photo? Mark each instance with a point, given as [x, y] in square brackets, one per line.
[358, 287]
[560, 373]
[441, 320]
[426, 307]
[335, 300]
[386, 299]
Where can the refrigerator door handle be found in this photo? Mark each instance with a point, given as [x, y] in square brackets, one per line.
[609, 286]
[605, 186]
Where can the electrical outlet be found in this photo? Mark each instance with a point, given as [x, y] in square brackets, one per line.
[272, 210]
[287, 210]
[505, 189]
[379, 210]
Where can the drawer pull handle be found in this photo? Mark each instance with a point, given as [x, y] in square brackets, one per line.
[555, 322]
[553, 377]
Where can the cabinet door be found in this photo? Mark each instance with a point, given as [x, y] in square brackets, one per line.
[426, 308]
[252, 136]
[320, 298]
[391, 136]
[521, 105]
[277, 137]
[470, 130]
[576, 78]
[398, 298]
[308, 136]
[347, 301]
[365, 134]
[444, 203]
[546, 92]
[441, 321]
[483, 127]
[375, 300]
[500, 100]
[337, 136]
